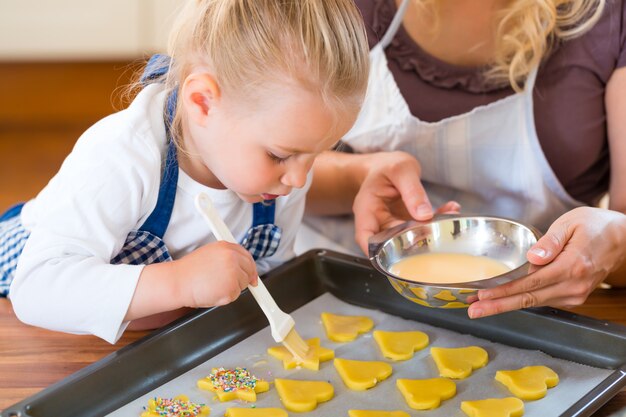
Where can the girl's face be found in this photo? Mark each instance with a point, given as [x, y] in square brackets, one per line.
[261, 149]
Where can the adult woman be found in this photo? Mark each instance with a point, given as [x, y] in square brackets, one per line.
[512, 108]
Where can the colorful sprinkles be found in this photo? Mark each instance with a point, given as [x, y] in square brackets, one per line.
[175, 407]
[228, 380]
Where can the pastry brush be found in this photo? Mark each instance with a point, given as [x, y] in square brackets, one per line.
[281, 323]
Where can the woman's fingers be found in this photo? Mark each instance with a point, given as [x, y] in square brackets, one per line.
[550, 245]
[544, 277]
[365, 226]
[408, 184]
[551, 295]
[451, 207]
[567, 281]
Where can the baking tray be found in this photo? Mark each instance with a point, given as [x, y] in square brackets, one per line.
[139, 368]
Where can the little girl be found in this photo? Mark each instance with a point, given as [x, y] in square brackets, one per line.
[253, 92]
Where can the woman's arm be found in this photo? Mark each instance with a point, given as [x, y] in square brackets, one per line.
[337, 177]
[615, 100]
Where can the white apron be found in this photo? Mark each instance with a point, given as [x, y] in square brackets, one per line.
[489, 159]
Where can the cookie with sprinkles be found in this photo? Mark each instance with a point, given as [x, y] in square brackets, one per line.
[179, 406]
[231, 384]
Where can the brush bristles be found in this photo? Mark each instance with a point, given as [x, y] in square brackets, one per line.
[294, 344]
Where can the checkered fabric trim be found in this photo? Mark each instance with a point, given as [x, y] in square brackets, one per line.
[262, 240]
[13, 237]
[142, 248]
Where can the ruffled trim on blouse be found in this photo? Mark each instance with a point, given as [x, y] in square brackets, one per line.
[412, 58]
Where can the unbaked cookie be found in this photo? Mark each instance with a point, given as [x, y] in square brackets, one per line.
[361, 375]
[179, 406]
[426, 394]
[303, 395]
[345, 328]
[255, 412]
[316, 355]
[376, 413]
[494, 407]
[529, 383]
[458, 363]
[230, 384]
[400, 346]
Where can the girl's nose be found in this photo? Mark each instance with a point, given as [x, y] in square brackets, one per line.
[295, 176]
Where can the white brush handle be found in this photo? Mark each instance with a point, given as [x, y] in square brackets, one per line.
[280, 322]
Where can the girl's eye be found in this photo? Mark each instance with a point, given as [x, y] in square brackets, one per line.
[276, 158]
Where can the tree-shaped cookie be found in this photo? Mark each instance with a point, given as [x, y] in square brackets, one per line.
[400, 346]
[179, 406]
[376, 413]
[312, 361]
[426, 394]
[345, 328]
[529, 383]
[458, 363]
[230, 384]
[303, 395]
[361, 375]
[494, 407]
[255, 412]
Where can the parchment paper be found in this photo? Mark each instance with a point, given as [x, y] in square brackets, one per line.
[575, 379]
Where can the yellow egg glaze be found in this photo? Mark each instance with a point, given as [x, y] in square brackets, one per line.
[316, 355]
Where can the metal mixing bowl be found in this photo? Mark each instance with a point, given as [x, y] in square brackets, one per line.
[498, 238]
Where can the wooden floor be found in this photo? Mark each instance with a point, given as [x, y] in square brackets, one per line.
[45, 107]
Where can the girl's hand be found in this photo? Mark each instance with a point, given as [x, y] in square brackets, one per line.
[576, 254]
[214, 274]
[390, 194]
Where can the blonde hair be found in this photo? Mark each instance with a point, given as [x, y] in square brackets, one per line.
[528, 30]
[321, 44]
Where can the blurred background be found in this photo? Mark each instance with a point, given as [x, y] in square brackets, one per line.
[63, 66]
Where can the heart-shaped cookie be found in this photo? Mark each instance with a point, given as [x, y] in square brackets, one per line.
[255, 412]
[345, 328]
[400, 346]
[316, 355]
[231, 384]
[529, 383]
[494, 407]
[361, 375]
[426, 394]
[303, 395]
[445, 295]
[179, 406]
[458, 363]
[376, 413]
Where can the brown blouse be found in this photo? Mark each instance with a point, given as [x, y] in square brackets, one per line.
[569, 109]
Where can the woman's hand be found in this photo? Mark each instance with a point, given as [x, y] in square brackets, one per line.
[390, 194]
[576, 254]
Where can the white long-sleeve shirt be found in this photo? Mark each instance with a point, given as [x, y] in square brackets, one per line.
[106, 187]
